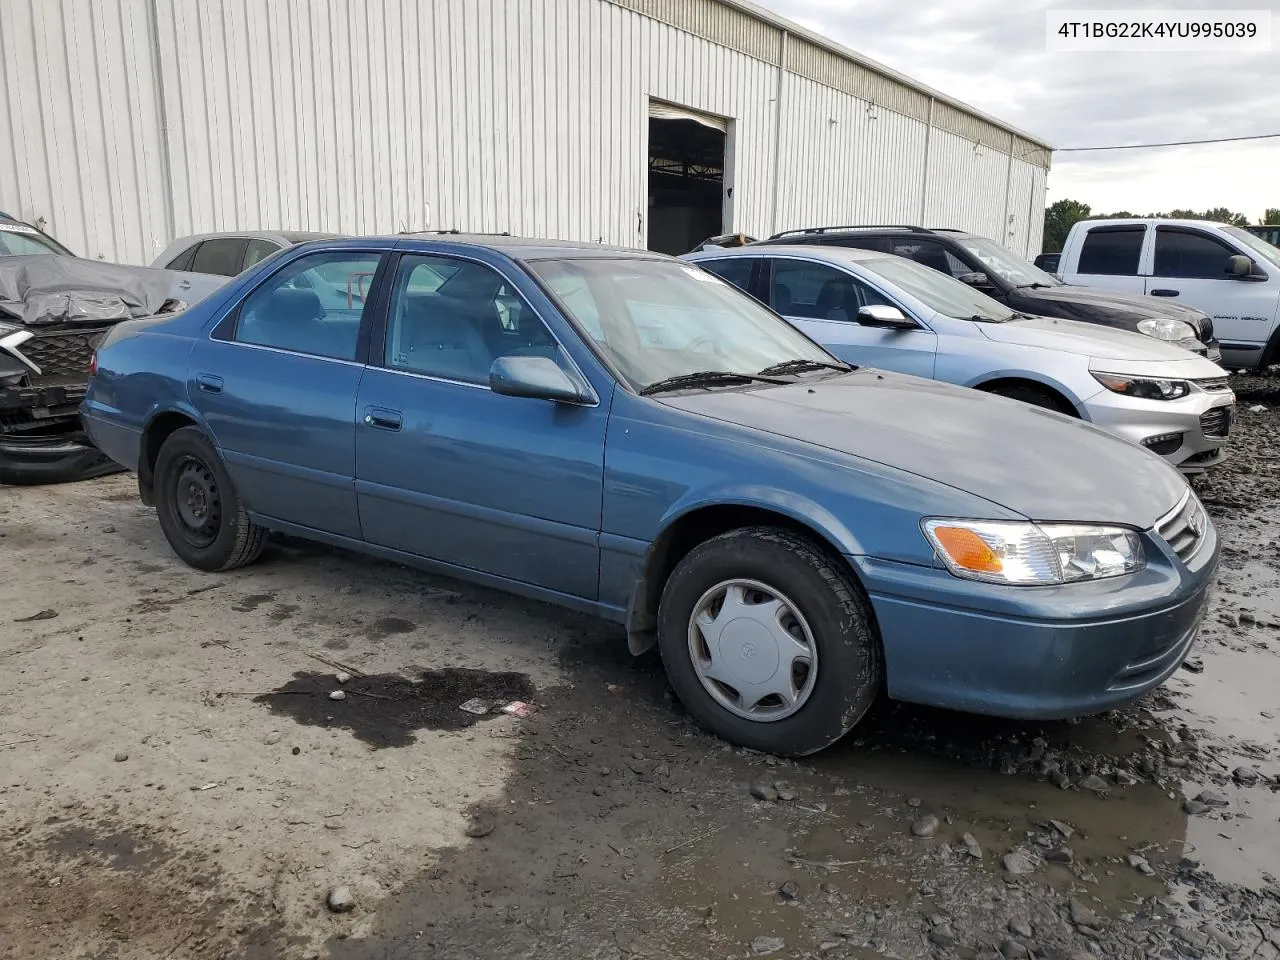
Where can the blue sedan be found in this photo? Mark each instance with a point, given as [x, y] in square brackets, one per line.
[628, 435]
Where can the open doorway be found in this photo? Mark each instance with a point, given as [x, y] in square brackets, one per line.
[686, 177]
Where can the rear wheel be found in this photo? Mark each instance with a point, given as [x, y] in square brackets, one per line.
[1034, 395]
[198, 507]
[768, 642]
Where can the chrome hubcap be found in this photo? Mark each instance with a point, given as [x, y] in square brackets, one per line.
[752, 650]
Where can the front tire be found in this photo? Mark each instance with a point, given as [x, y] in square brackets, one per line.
[198, 507]
[768, 642]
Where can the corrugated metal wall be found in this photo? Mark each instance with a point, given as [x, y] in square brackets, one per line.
[370, 116]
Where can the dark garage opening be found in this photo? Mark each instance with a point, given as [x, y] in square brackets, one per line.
[686, 184]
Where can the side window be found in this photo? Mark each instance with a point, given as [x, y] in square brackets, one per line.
[183, 260]
[735, 270]
[1112, 251]
[453, 318]
[932, 254]
[1182, 253]
[259, 250]
[814, 290]
[312, 306]
[221, 256]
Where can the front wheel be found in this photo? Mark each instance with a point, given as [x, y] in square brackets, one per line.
[768, 643]
[1035, 396]
[199, 511]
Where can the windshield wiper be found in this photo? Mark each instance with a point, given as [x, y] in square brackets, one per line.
[706, 378]
[798, 365]
[1034, 286]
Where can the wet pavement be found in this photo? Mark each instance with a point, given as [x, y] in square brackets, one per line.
[1147, 832]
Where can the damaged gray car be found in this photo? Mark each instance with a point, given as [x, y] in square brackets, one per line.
[53, 311]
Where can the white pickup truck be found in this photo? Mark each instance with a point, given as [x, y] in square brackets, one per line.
[1227, 272]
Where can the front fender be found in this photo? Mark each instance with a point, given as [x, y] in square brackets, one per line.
[796, 507]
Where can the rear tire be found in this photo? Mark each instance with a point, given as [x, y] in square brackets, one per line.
[198, 507]
[777, 580]
[1035, 396]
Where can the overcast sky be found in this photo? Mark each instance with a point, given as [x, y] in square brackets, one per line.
[991, 54]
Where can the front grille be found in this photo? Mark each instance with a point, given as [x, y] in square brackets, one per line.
[60, 355]
[1213, 384]
[1216, 422]
[1183, 528]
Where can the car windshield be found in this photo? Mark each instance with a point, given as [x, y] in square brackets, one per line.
[1006, 265]
[25, 242]
[658, 319]
[1259, 246]
[939, 292]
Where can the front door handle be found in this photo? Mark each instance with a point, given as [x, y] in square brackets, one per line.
[381, 418]
[1164, 293]
[208, 383]
[184, 284]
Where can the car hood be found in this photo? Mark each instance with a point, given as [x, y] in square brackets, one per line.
[1085, 339]
[1090, 303]
[1038, 463]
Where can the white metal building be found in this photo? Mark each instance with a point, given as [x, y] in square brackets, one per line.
[129, 122]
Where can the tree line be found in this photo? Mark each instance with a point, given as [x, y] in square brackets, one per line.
[1059, 217]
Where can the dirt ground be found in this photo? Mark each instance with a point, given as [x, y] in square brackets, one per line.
[176, 782]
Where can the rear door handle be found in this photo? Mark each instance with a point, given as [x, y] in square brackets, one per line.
[1164, 293]
[208, 383]
[184, 284]
[381, 418]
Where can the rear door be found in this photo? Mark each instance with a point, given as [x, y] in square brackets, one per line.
[1110, 257]
[276, 384]
[1191, 266]
[823, 302]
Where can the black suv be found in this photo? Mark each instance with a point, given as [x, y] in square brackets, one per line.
[1023, 287]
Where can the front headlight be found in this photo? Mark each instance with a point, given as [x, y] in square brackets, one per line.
[1000, 551]
[1143, 388]
[1165, 329]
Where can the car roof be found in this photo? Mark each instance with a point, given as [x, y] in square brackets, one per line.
[827, 252]
[1159, 221]
[530, 248]
[289, 236]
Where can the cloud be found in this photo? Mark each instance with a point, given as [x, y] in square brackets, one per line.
[992, 55]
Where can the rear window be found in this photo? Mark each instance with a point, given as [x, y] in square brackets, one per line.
[1112, 251]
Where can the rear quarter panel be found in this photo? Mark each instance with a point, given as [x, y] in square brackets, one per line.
[142, 372]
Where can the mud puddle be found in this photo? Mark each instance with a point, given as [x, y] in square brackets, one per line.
[384, 710]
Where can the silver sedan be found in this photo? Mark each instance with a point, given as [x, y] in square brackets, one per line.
[878, 310]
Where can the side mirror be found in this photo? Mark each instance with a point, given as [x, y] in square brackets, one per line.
[979, 280]
[881, 315]
[1240, 267]
[537, 378]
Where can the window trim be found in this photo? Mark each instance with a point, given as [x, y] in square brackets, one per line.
[376, 356]
[224, 331]
[1138, 228]
[768, 275]
[1228, 249]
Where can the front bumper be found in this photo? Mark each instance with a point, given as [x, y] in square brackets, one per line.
[1038, 652]
[1190, 433]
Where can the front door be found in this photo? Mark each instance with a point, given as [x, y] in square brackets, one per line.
[276, 385]
[823, 302]
[447, 469]
[1190, 266]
